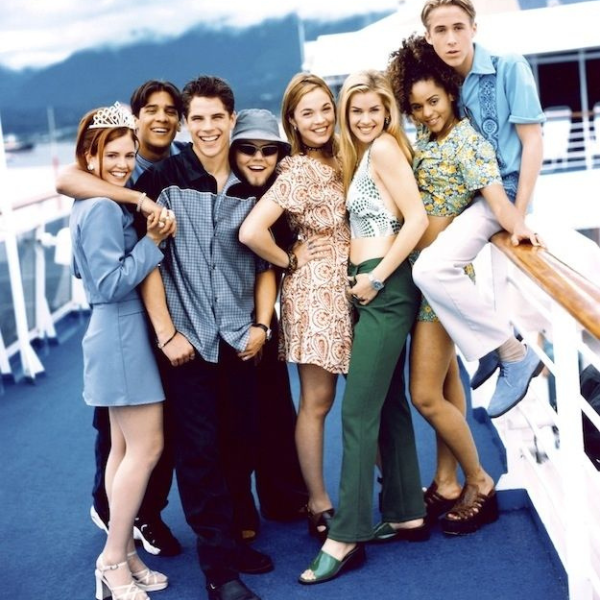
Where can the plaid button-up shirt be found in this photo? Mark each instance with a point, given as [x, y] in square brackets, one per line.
[209, 276]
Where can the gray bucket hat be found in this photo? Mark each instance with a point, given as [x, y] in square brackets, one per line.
[258, 124]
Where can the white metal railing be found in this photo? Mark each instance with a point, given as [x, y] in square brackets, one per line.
[571, 141]
[544, 446]
[20, 224]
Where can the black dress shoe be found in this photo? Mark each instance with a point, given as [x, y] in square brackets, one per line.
[252, 561]
[232, 590]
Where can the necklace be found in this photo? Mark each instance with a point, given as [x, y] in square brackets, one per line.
[308, 148]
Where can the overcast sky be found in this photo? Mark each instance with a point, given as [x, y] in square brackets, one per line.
[41, 32]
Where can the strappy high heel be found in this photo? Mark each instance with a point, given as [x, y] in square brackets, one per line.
[147, 579]
[319, 522]
[128, 591]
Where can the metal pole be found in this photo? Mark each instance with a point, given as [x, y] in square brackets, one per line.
[52, 135]
[585, 111]
[43, 316]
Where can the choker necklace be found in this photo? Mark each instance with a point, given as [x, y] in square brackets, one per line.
[308, 148]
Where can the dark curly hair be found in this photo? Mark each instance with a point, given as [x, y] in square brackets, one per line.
[416, 61]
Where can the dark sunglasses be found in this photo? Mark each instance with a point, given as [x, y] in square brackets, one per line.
[251, 149]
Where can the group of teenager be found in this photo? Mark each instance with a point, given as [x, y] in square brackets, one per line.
[181, 250]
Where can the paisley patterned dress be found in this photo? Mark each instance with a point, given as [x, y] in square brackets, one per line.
[316, 324]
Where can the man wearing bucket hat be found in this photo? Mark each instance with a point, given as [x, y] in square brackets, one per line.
[256, 148]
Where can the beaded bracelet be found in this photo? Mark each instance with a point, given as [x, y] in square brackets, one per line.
[293, 262]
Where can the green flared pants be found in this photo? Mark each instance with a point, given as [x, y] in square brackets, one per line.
[375, 410]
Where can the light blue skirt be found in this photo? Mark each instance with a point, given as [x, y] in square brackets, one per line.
[119, 368]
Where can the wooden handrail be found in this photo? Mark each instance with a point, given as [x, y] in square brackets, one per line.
[577, 295]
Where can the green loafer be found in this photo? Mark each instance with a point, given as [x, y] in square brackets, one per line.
[326, 568]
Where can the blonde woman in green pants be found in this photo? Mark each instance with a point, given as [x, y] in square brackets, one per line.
[387, 219]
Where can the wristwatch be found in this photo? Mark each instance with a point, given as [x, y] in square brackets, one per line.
[268, 332]
[376, 283]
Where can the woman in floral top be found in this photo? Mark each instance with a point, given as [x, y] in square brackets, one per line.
[452, 163]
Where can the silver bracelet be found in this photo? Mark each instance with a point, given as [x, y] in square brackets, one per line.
[140, 202]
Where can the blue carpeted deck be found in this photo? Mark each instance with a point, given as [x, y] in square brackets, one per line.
[48, 543]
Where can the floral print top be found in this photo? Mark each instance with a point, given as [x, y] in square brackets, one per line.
[451, 171]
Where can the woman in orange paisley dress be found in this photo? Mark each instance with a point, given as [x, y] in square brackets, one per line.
[316, 324]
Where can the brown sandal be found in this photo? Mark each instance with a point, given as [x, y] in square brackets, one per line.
[319, 519]
[471, 511]
[436, 504]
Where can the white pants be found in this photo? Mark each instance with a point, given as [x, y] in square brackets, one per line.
[470, 320]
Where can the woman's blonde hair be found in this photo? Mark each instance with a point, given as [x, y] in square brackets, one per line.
[300, 85]
[361, 83]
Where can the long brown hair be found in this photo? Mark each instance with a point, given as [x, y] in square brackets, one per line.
[361, 83]
[300, 85]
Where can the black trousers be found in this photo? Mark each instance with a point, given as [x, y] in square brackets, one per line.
[202, 428]
[279, 483]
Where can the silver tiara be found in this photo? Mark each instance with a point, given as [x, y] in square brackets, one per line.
[113, 116]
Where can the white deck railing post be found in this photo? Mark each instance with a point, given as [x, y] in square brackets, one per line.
[43, 317]
[566, 360]
[513, 478]
[4, 362]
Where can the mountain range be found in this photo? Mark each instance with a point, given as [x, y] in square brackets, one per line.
[257, 61]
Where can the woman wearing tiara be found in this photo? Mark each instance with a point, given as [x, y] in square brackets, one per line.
[119, 367]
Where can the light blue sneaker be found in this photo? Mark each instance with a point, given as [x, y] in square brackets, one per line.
[487, 366]
[513, 383]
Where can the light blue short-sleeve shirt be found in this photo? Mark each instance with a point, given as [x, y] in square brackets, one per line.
[517, 102]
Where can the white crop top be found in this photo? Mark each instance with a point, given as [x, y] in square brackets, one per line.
[369, 216]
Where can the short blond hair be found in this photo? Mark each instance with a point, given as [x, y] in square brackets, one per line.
[431, 5]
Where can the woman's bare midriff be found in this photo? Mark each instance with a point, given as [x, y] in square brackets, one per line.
[362, 249]
[436, 226]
